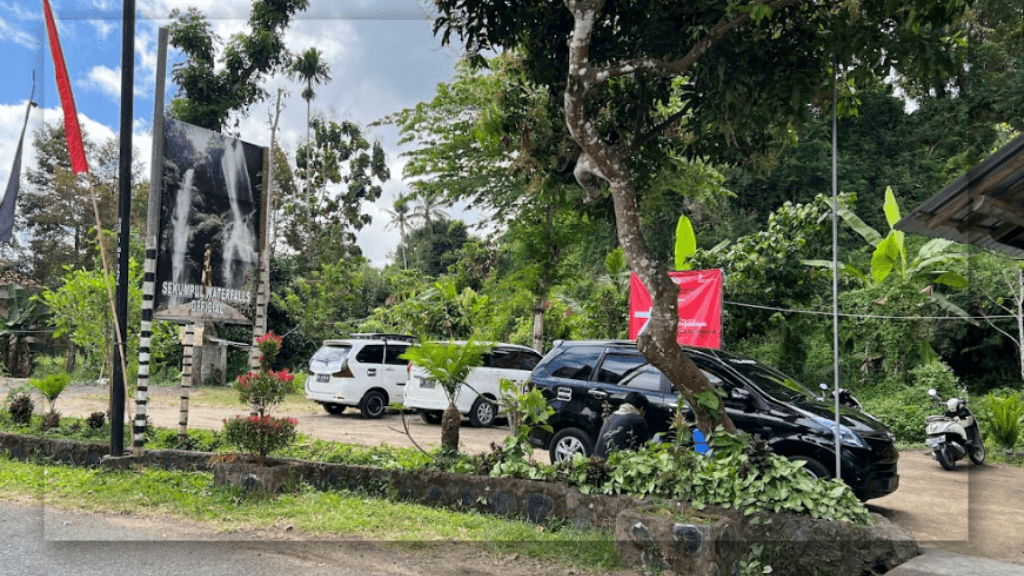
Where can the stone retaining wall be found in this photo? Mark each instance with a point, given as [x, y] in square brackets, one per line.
[668, 536]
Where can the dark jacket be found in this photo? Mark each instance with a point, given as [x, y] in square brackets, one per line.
[624, 429]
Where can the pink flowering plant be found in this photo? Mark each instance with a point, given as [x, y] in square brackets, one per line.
[260, 434]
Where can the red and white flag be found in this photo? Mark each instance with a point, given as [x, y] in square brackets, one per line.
[700, 307]
[67, 99]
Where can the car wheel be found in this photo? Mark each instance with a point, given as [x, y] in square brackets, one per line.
[373, 404]
[944, 457]
[430, 416]
[814, 469]
[568, 442]
[334, 409]
[978, 456]
[483, 413]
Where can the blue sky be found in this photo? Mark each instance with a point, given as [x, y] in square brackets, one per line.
[382, 54]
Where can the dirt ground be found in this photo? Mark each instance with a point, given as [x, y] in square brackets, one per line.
[164, 410]
[974, 510]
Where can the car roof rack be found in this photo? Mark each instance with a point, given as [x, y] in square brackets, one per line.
[383, 336]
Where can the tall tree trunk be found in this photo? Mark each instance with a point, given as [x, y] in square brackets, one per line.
[544, 285]
[451, 419]
[69, 364]
[601, 161]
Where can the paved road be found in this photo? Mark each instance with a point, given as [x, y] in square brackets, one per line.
[973, 510]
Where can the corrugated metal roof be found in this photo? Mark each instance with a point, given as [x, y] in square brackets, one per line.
[984, 207]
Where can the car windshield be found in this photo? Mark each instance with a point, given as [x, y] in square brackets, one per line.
[769, 379]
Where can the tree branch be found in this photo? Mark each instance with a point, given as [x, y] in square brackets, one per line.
[678, 67]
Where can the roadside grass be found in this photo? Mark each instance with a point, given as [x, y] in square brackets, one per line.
[193, 496]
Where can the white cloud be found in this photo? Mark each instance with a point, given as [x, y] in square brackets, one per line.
[19, 11]
[106, 80]
[103, 28]
[17, 36]
[13, 115]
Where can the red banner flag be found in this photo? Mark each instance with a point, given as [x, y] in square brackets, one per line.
[700, 307]
[67, 99]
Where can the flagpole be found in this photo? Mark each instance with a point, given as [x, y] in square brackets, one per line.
[124, 204]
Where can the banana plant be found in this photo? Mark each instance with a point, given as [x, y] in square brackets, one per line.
[890, 257]
[24, 314]
[686, 243]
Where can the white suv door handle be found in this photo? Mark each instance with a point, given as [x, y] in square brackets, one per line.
[371, 371]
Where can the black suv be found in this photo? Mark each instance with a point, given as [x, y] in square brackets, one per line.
[583, 380]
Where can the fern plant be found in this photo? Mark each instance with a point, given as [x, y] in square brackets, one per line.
[51, 386]
[1007, 414]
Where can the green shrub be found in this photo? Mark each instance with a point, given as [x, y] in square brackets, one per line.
[1006, 419]
[299, 383]
[259, 436]
[903, 408]
[730, 478]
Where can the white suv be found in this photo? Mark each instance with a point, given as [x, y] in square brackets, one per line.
[363, 371]
[478, 397]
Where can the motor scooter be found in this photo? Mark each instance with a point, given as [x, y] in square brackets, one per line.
[954, 433]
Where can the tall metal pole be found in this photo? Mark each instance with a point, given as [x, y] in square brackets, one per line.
[124, 206]
[835, 266]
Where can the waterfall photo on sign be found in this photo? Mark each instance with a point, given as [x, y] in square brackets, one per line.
[209, 225]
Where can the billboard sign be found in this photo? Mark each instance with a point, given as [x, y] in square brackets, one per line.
[700, 307]
[209, 232]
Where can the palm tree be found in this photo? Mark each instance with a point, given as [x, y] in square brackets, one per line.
[311, 68]
[428, 207]
[400, 217]
[449, 364]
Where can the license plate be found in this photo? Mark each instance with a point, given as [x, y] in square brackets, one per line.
[426, 383]
[323, 378]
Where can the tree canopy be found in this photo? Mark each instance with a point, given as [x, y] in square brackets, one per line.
[742, 73]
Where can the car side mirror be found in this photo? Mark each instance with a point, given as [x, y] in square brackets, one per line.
[933, 393]
[741, 395]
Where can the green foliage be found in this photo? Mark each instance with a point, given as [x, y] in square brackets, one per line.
[438, 310]
[81, 308]
[686, 243]
[526, 410]
[260, 434]
[51, 386]
[165, 347]
[902, 406]
[435, 246]
[728, 479]
[447, 363]
[24, 314]
[212, 85]
[344, 171]
[317, 302]
[1006, 419]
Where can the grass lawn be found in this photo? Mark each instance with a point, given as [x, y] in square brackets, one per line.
[193, 496]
